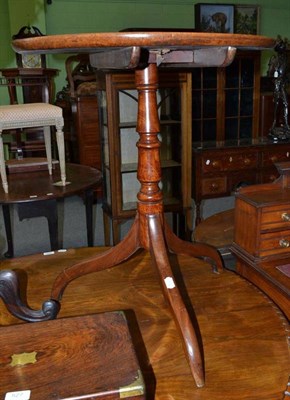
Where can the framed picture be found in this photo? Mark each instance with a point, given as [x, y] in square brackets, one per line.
[247, 19]
[216, 18]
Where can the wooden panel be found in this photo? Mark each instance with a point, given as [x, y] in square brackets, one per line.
[246, 235]
[212, 163]
[82, 357]
[88, 132]
[244, 335]
[274, 155]
[275, 218]
[240, 161]
[217, 186]
[272, 243]
[233, 160]
[268, 276]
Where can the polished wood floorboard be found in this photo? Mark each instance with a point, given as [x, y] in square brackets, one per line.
[243, 333]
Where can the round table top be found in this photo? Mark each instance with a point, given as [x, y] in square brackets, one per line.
[39, 185]
[92, 42]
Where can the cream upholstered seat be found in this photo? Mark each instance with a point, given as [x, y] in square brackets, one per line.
[32, 115]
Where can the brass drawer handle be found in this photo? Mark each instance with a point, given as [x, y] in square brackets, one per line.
[284, 243]
[285, 217]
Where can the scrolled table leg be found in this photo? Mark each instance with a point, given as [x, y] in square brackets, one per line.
[10, 294]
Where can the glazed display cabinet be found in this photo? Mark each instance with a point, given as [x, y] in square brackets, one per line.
[225, 101]
[118, 110]
[230, 144]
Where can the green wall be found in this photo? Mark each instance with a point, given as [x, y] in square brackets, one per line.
[68, 16]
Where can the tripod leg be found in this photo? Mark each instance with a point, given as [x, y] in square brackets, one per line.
[172, 295]
[107, 259]
[202, 250]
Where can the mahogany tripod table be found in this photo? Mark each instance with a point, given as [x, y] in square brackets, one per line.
[144, 52]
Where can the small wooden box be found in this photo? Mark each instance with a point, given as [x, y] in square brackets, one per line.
[89, 357]
[262, 236]
[262, 222]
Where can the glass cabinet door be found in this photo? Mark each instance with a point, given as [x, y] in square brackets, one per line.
[118, 110]
[225, 101]
[239, 99]
[204, 104]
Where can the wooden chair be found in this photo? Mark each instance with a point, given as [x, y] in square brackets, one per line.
[31, 115]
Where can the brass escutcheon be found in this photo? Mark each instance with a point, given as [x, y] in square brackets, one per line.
[23, 359]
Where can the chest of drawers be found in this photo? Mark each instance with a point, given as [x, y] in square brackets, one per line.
[217, 170]
[262, 237]
[263, 221]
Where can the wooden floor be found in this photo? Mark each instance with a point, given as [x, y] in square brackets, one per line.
[244, 335]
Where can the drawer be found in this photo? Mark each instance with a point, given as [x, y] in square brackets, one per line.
[274, 243]
[271, 157]
[214, 186]
[277, 218]
[236, 162]
[212, 164]
[229, 162]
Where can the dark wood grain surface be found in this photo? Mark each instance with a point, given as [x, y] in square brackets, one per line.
[39, 185]
[83, 357]
[87, 42]
[149, 230]
[243, 333]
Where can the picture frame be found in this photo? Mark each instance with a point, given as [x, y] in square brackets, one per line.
[216, 18]
[247, 19]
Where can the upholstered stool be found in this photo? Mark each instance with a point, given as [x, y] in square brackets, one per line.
[32, 115]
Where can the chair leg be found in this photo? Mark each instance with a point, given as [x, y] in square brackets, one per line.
[61, 154]
[47, 141]
[2, 165]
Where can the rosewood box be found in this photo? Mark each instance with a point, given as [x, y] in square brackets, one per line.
[88, 357]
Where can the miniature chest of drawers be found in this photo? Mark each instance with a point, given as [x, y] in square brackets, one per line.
[262, 221]
[262, 237]
[88, 357]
